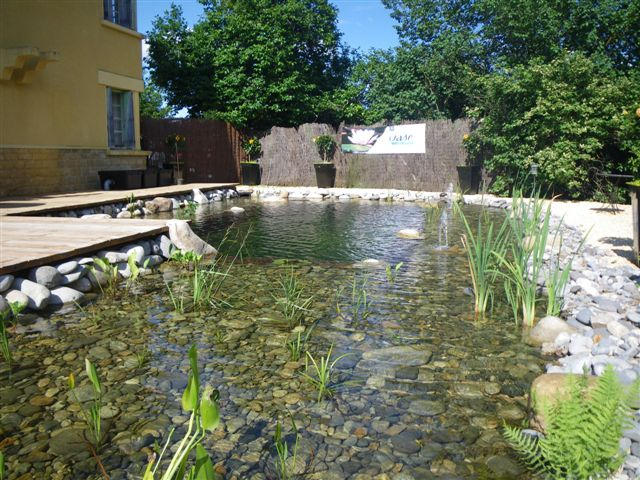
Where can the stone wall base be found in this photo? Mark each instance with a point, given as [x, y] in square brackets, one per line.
[38, 171]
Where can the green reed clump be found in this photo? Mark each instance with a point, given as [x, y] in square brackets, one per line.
[291, 300]
[297, 346]
[322, 373]
[92, 414]
[582, 433]
[392, 272]
[482, 248]
[359, 307]
[102, 266]
[205, 417]
[522, 264]
[285, 457]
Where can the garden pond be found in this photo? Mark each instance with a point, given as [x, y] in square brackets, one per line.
[422, 392]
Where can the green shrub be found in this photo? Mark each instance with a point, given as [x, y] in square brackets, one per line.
[582, 433]
[326, 146]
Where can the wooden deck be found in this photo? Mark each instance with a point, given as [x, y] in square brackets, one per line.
[27, 242]
[68, 201]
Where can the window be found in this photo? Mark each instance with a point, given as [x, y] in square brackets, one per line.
[120, 119]
[120, 12]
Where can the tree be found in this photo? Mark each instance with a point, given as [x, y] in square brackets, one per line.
[253, 63]
[151, 102]
[571, 116]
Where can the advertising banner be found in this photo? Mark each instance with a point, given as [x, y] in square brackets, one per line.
[380, 140]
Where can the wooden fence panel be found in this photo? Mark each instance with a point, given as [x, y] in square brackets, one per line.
[212, 153]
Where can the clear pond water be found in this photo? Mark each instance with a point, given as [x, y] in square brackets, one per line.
[421, 394]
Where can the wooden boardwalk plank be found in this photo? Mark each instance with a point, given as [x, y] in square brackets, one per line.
[68, 201]
[26, 242]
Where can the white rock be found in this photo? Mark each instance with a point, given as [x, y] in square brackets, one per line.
[589, 287]
[75, 276]
[16, 296]
[38, 295]
[296, 196]
[411, 234]
[617, 329]
[46, 276]
[67, 267]
[124, 270]
[5, 282]
[165, 246]
[236, 210]
[138, 254]
[62, 295]
[199, 197]
[314, 196]
[548, 329]
[183, 237]
[124, 214]
[580, 344]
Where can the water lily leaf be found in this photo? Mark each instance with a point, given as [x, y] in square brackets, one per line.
[92, 373]
[204, 467]
[209, 411]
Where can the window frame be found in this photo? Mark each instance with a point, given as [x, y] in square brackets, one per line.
[113, 9]
[120, 136]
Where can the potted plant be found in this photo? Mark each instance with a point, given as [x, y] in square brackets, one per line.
[176, 144]
[250, 170]
[469, 175]
[325, 170]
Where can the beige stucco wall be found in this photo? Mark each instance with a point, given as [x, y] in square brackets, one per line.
[65, 105]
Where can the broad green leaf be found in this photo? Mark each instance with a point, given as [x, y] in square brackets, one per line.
[190, 395]
[210, 414]
[204, 467]
[93, 375]
[148, 473]
[72, 381]
[193, 359]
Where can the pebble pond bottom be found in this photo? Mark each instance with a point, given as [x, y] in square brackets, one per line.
[421, 394]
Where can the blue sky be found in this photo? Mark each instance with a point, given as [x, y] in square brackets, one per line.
[365, 24]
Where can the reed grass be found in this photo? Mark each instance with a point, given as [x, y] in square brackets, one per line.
[5, 348]
[482, 247]
[322, 373]
[283, 455]
[297, 346]
[392, 272]
[291, 299]
[359, 306]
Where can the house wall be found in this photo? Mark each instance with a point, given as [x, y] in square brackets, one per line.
[64, 107]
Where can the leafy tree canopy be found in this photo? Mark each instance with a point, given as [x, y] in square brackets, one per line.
[253, 63]
[152, 103]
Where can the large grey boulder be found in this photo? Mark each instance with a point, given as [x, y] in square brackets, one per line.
[62, 295]
[5, 282]
[547, 329]
[183, 237]
[39, 295]
[82, 285]
[46, 276]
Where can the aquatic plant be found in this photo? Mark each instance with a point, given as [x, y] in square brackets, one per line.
[134, 270]
[142, 356]
[359, 306]
[187, 210]
[392, 272]
[4, 339]
[582, 432]
[522, 267]
[482, 247]
[205, 417]
[291, 301]
[176, 297]
[283, 456]
[322, 373]
[92, 415]
[185, 257]
[2, 468]
[104, 266]
[298, 344]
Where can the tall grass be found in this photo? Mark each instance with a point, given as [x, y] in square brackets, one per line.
[359, 307]
[291, 300]
[483, 247]
[322, 373]
[283, 455]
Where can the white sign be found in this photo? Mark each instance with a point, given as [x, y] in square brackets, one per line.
[392, 140]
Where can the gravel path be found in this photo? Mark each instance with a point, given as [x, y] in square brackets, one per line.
[610, 230]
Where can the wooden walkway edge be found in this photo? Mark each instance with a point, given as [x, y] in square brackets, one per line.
[27, 242]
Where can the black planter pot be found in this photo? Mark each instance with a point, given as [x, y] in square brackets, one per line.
[469, 177]
[325, 174]
[250, 172]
